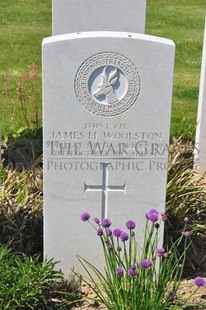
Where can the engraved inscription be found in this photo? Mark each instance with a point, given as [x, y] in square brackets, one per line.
[105, 188]
[107, 84]
[99, 140]
[124, 148]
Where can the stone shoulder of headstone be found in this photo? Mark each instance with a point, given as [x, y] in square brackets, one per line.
[98, 15]
[107, 34]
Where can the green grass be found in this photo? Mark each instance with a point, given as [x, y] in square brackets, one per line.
[183, 22]
[24, 23]
[27, 283]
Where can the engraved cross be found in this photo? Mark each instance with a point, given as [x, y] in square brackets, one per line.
[105, 188]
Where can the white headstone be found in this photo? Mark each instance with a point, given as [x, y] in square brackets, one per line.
[107, 102]
[98, 15]
[200, 145]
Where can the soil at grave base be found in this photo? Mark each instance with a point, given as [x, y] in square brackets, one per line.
[187, 287]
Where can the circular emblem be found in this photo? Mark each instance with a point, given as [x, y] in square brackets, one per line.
[107, 84]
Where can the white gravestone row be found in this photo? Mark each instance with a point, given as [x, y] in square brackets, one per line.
[107, 104]
[200, 145]
[100, 15]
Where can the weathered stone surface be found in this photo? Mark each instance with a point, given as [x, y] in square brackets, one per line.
[107, 103]
[98, 15]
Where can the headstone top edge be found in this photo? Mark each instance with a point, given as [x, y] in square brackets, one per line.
[106, 34]
[70, 16]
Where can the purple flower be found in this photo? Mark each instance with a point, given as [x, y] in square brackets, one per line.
[164, 217]
[117, 232]
[145, 263]
[124, 236]
[120, 271]
[186, 219]
[85, 216]
[108, 231]
[157, 225]
[199, 281]
[99, 231]
[96, 220]
[132, 272]
[130, 224]
[152, 215]
[187, 234]
[160, 252]
[166, 255]
[170, 295]
[106, 223]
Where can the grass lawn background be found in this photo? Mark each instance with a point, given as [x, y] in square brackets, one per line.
[24, 23]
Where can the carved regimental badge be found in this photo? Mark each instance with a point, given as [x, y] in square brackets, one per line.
[107, 84]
